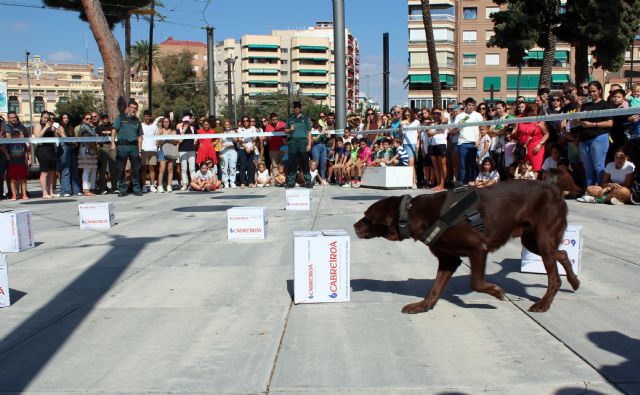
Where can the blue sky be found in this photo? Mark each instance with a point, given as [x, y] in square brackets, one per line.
[59, 36]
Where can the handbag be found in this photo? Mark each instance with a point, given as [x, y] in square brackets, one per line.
[170, 151]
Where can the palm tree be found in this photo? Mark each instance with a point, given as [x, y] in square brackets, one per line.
[436, 88]
[550, 47]
[140, 57]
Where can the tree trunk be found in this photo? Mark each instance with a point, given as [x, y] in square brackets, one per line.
[582, 62]
[113, 84]
[127, 57]
[431, 50]
[547, 62]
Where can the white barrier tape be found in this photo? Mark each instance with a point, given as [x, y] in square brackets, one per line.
[498, 122]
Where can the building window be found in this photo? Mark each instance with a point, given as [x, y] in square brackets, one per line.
[469, 59]
[284, 50]
[14, 104]
[196, 68]
[76, 77]
[195, 57]
[283, 61]
[418, 59]
[418, 35]
[469, 36]
[469, 82]
[440, 35]
[38, 105]
[470, 13]
[492, 59]
[284, 73]
[421, 103]
[490, 10]
[488, 34]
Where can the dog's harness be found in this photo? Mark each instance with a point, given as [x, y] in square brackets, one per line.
[460, 204]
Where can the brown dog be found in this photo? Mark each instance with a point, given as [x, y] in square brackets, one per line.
[532, 210]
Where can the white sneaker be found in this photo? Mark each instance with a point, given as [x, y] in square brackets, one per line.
[346, 185]
[183, 188]
[226, 185]
[160, 189]
[586, 199]
[153, 188]
[169, 189]
[233, 185]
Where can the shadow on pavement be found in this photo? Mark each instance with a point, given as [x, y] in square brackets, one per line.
[15, 295]
[515, 287]
[47, 201]
[26, 350]
[202, 209]
[238, 197]
[355, 198]
[623, 345]
[578, 391]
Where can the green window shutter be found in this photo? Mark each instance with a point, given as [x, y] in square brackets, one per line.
[420, 78]
[512, 82]
[533, 82]
[495, 81]
[562, 56]
[559, 78]
[263, 46]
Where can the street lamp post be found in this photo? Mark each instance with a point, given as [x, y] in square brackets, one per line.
[27, 53]
[230, 63]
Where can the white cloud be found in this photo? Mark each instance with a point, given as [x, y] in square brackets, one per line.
[19, 25]
[62, 57]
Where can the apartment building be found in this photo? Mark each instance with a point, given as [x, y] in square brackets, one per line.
[468, 68]
[52, 83]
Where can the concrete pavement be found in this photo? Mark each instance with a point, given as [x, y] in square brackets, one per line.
[163, 302]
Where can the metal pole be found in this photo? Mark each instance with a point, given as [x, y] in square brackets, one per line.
[385, 72]
[127, 57]
[289, 98]
[229, 91]
[340, 70]
[29, 93]
[150, 64]
[210, 69]
[633, 43]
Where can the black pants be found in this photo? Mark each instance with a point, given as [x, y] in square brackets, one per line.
[247, 169]
[124, 153]
[632, 149]
[298, 155]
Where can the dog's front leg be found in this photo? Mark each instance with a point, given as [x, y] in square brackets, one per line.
[447, 265]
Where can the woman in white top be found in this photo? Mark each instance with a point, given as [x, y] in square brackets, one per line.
[438, 149]
[229, 157]
[410, 137]
[246, 152]
[616, 182]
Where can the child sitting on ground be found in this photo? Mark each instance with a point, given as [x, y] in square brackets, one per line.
[488, 176]
[263, 179]
[204, 180]
[363, 159]
[315, 174]
[280, 180]
[525, 171]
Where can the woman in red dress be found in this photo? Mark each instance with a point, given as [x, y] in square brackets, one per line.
[205, 147]
[533, 135]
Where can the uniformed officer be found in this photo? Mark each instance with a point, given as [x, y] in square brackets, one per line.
[299, 143]
[128, 129]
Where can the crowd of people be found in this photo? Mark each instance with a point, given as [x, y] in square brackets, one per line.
[593, 160]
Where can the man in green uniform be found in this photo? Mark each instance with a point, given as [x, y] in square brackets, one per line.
[299, 143]
[128, 129]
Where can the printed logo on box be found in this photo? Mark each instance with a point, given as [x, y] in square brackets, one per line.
[333, 271]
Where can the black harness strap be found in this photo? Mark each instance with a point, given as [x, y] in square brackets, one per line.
[403, 217]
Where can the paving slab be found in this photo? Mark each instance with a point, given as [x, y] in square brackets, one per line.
[163, 302]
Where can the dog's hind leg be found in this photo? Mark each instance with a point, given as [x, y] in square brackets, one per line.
[562, 257]
[447, 265]
[478, 261]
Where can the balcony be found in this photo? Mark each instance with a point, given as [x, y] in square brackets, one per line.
[434, 18]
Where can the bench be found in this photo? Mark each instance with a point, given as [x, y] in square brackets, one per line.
[387, 177]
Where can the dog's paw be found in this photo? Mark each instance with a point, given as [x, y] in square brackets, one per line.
[414, 308]
[575, 283]
[498, 292]
[539, 307]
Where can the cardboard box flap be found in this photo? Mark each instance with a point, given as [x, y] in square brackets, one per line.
[335, 233]
[307, 233]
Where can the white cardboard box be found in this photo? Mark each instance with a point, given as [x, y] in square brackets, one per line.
[4, 282]
[571, 243]
[16, 232]
[298, 199]
[388, 176]
[96, 215]
[321, 266]
[247, 223]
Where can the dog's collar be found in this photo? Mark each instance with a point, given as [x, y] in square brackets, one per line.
[403, 217]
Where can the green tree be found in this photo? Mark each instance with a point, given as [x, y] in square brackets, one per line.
[79, 104]
[523, 25]
[102, 17]
[181, 90]
[607, 26]
[140, 56]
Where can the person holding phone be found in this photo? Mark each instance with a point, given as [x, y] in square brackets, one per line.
[46, 154]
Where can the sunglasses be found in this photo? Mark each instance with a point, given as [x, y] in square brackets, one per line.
[555, 99]
[585, 87]
[87, 119]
